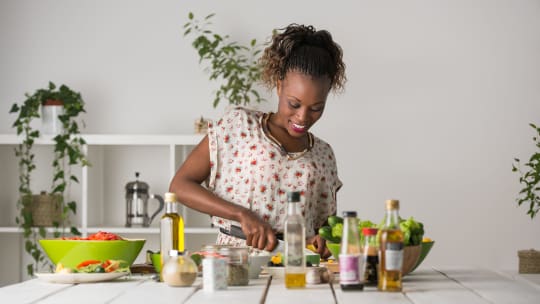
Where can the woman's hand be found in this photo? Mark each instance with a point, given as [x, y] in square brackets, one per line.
[320, 244]
[259, 234]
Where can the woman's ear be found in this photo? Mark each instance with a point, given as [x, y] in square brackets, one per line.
[278, 87]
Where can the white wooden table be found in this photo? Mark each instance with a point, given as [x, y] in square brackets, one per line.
[423, 286]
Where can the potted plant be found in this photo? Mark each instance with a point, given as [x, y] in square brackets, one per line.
[231, 63]
[67, 153]
[529, 260]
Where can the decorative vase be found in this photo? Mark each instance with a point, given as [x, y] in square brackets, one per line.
[50, 111]
[529, 261]
[44, 208]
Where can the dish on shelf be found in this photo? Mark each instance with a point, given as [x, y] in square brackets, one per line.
[75, 278]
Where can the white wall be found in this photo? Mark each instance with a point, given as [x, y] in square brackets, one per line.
[438, 102]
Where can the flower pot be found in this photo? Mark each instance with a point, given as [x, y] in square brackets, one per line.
[50, 111]
[529, 261]
[45, 209]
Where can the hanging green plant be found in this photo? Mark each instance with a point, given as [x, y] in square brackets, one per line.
[68, 151]
[232, 64]
[530, 177]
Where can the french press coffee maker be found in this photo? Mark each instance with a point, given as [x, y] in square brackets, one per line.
[137, 203]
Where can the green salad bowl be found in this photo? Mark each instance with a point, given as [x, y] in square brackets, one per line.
[71, 253]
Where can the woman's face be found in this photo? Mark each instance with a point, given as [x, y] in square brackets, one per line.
[302, 99]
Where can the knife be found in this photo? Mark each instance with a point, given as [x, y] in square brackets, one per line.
[236, 231]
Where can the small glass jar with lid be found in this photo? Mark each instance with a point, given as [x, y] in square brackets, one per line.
[238, 265]
[179, 270]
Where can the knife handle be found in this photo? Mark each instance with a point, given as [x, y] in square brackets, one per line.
[237, 232]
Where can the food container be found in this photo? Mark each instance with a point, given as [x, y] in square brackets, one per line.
[179, 270]
[237, 265]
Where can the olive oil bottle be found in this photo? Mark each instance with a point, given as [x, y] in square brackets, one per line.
[168, 228]
[391, 250]
[181, 237]
[295, 242]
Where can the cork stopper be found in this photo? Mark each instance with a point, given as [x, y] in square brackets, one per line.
[170, 197]
[392, 204]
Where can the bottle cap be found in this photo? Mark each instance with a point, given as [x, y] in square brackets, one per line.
[170, 197]
[392, 204]
[293, 196]
[369, 231]
[349, 213]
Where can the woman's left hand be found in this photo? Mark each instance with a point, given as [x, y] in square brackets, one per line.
[320, 244]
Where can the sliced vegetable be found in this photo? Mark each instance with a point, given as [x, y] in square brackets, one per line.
[88, 262]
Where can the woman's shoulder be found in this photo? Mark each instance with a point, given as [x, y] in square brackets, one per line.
[241, 114]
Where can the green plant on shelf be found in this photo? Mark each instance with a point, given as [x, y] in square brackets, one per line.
[68, 151]
[529, 177]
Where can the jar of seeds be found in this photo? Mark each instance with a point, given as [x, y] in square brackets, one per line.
[238, 266]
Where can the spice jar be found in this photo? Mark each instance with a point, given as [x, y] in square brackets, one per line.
[237, 265]
[179, 270]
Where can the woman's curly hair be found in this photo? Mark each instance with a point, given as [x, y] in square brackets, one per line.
[302, 48]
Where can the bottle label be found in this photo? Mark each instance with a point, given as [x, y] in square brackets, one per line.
[349, 269]
[394, 256]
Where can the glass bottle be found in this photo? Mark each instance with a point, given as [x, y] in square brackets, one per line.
[179, 270]
[295, 242]
[350, 275]
[391, 250]
[168, 228]
[370, 252]
[177, 208]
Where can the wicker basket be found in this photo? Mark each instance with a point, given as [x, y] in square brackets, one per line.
[529, 261]
[45, 209]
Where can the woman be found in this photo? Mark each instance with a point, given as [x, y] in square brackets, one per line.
[252, 159]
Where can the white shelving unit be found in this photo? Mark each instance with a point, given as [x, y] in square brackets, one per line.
[100, 195]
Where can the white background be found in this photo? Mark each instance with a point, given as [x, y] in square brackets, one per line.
[438, 102]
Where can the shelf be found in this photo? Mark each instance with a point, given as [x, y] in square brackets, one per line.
[151, 230]
[123, 230]
[114, 139]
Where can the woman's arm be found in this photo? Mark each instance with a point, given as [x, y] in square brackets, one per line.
[186, 184]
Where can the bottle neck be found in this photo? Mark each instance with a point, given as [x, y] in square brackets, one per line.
[169, 207]
[391, 219]
[293, 208]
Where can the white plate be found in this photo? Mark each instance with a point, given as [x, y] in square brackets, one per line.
[74, 278]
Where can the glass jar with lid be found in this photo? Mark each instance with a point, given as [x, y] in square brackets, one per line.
[237, 265]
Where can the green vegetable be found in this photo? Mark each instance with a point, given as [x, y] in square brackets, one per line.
[337, 230]
[99, 269]
[413, 231]
[334, 219]
[326, 233]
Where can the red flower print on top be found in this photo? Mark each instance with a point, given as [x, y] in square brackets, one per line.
[248, 170]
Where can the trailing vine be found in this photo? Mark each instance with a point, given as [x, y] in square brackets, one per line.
[68, 151]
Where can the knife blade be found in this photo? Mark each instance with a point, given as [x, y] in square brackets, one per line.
[236, 231]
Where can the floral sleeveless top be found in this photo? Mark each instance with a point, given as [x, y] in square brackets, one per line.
[250, 170]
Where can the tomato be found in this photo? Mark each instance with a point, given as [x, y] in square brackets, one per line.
[88, 262]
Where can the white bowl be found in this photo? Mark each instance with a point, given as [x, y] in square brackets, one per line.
[256, 262]
[277, 272]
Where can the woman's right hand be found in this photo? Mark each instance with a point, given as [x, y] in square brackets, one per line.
[259, 234]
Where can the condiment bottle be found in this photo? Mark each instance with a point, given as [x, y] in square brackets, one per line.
[237, 265]
[179, 270]
[177, 209]
[391, 250]
[370, 252]
[168, 228]
[295, 242]
[350, 261]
